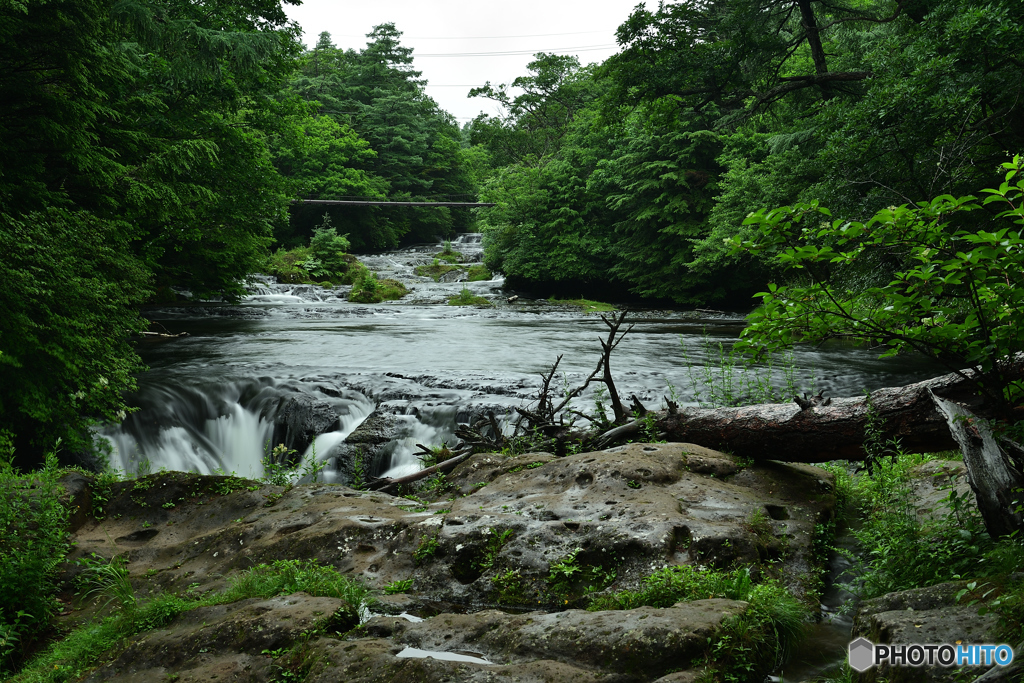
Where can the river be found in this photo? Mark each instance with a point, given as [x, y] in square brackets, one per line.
[208, 401]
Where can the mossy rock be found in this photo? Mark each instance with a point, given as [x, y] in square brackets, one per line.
[382, 290]
[478, 273]
[434, 270]
[451, 256]
[466, 298]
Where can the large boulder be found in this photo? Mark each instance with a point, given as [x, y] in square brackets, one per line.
[300, 419]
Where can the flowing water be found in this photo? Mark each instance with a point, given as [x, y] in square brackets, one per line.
[212, 401]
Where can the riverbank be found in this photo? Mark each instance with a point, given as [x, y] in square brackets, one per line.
[706, 563]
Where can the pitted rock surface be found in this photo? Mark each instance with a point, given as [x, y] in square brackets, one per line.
[225, 641]
[628, 510]
[645, 641]
[921, 615]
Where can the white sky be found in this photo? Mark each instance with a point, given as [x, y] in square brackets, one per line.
[446, 27]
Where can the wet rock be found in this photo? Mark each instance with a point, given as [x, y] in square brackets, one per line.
[921, 615]
[367, 446]
[300, 419]
[78, 499]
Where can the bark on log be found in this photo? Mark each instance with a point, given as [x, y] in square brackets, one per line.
[990, 472]
[386, 485]
[782, 431]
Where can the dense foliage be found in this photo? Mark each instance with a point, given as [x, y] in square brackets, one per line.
[148, 146]
[632, 175]
[375, 135]
[33, 544]
[955, 296]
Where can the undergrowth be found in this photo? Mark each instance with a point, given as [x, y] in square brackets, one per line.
[33, 544]
[902, 551]
[748, 645]
[467, 298]
[90, 645]
[733, 378]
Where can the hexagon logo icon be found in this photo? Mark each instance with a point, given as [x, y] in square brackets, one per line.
[862, 655]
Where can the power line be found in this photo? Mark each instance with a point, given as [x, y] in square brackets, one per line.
[584, 48]
[533, 35]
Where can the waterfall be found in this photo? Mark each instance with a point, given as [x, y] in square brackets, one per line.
[229, 427]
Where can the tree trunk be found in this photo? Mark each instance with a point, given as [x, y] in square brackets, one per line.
[832, 430]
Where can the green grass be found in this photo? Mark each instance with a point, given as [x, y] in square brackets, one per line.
[466, 298]
[478, 273]
[95, 642]
[588, 305]
[435, 270]
[733, 378]
[900, 551]
[370, 290]
[748, 645]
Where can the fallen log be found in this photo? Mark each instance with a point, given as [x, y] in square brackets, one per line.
[385, 485]
[991, 473]
[824, 430]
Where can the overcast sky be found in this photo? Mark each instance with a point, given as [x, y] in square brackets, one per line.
[467, 32]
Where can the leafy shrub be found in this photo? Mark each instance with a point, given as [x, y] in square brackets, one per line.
[903, 552]
[33, 544]
[570, 578]
[369, 290]
[467, 298]
[955, 297]
[478, 273]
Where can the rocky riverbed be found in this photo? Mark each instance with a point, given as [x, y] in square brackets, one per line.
[489, 608]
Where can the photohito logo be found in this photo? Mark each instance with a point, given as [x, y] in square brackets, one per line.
[864, 654]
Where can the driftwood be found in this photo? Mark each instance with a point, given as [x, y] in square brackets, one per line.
[990, 471]
[827, 430]
[161, 335]
[387, 485]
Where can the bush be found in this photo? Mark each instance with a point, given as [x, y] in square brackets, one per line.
[748, 645]
[33, 544]
[902, 552]
[478, 273]
[467, 298]
[369, 290]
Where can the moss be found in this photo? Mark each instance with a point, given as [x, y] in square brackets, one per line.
[478, 273]
[466, 298]
[435, 270]
[588, 305]
[370, 290]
